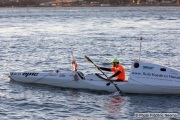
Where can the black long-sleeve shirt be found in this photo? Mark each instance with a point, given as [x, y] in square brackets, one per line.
[109, 69]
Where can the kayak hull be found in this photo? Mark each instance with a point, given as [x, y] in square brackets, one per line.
[144, 78]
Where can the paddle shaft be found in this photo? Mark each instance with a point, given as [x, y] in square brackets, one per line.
[104, 74]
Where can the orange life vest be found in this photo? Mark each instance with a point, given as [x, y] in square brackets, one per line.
[120, 68]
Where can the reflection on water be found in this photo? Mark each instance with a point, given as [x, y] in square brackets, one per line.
[74, 94]
[117, 106]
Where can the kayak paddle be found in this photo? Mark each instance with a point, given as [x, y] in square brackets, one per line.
[88, 59]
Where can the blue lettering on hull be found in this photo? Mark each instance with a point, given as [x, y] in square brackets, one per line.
[30, 74]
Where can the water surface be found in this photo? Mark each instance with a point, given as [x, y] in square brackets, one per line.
[37, 39]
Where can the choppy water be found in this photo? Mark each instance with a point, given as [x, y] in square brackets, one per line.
[36, 39]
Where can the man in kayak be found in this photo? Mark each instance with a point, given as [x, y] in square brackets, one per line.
[117, 69]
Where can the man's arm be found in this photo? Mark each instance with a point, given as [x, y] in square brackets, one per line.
[106, 69]
[116, 74]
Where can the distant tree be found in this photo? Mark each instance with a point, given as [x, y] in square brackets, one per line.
[27, 2]
[178, 1]
[125, 2]
[114, 2]
[158, 1]
[101, 1]
[89, 1]
[143, 1]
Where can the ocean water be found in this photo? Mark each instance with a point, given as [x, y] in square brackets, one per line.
[37, 39]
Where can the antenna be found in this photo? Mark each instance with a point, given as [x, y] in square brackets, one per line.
[140, 48]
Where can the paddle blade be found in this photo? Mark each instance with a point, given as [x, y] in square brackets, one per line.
[74, 64]
[107, 84]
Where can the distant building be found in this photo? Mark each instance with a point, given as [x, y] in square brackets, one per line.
[67, 1]
[105, 5]
[166, 1]
[151, 1]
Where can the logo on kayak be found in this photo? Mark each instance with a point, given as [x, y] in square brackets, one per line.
[147, 67]
[30, 74]
[14, 73]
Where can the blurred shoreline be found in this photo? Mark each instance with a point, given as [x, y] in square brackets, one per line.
[87, 3]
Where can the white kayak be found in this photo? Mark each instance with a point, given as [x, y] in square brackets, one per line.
[144, 78]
